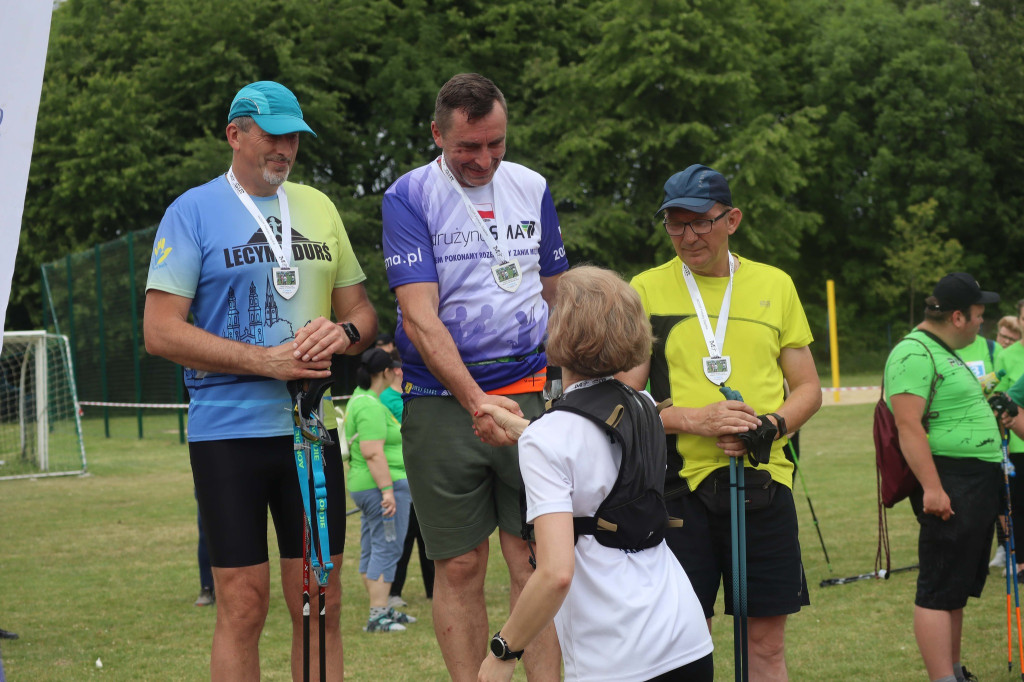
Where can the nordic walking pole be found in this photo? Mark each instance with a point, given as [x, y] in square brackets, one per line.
[1011, 573]
[803, 483]
[1011, 558]
[737, 529]
[309, 436]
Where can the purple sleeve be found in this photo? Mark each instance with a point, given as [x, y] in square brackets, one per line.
[408, 253]
[552, 250]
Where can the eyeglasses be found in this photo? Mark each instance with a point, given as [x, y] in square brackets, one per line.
[1006, 337]
[701, 226]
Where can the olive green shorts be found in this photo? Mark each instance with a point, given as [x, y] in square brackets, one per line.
[462, 489]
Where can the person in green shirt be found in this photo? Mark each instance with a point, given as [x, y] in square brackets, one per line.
[378, 485]
[955, 454]
[1007, 331]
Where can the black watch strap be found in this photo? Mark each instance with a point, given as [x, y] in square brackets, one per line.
[500, 650]
[351, 332]
[781, 422]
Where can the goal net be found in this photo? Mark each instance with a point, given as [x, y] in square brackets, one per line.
[40, 429]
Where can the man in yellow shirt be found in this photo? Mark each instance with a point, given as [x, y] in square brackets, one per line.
[723, 320]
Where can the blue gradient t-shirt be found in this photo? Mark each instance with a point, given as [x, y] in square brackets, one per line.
[210, 249]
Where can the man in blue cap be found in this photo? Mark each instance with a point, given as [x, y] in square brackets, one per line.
[722, 320]
[259, 263]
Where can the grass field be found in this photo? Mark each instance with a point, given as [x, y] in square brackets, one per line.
[103, 567]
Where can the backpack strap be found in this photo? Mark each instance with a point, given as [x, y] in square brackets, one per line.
[937, 376]
[991, 351]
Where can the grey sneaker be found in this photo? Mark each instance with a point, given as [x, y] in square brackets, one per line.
[206, 597]
[399, 617]
[396, 602]
[383, 624]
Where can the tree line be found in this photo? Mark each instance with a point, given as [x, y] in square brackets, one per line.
[874, 142]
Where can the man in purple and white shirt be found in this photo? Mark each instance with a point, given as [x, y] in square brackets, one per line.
[473, 253]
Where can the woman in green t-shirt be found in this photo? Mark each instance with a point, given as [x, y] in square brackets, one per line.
[377, 484]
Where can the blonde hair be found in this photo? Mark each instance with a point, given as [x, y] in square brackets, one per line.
[598, 326]
[1010, 322]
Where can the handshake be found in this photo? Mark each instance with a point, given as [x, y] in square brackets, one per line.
[759, 441]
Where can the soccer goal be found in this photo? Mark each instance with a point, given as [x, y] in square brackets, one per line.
[40, 429]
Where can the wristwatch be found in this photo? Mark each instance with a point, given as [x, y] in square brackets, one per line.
[781, 422]
[350, 331]
[499, 647]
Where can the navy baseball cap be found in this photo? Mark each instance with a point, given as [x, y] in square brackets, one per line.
[273, 106]
[959, 291]
[696, 189]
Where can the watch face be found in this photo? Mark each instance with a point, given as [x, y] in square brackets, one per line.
[497, 647]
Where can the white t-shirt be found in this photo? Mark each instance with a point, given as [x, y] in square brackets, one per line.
[627, 616]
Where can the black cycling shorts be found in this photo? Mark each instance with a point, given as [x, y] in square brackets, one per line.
[238, 479]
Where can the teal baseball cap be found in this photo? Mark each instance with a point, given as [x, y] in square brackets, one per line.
[273, 106]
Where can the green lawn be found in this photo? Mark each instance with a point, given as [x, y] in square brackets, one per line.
[103, 566]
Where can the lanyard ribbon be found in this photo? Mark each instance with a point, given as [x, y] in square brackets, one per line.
[283, 250]
[714, 341]
[474, 215]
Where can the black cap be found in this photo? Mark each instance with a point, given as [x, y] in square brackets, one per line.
[376, 360]
[959, 291]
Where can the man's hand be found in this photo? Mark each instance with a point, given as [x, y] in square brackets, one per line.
[512, 424]
[319, 340]
[494, 669]
[280, 363]
[732, 445]
[936, 503]
[722, 418]
[1003, 406]
[484, 425]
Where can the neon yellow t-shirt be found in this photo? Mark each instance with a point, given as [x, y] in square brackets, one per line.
[765, 317]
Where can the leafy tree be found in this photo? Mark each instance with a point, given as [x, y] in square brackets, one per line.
[918, 257]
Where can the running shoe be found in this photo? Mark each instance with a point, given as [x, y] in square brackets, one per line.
[999, 559]
[395, 601]
[7, 634]
[399, 617]
[383, 624]
[968, 675]
[206, 597]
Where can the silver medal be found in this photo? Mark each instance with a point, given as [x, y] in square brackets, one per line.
[286, 281]
[717, 370]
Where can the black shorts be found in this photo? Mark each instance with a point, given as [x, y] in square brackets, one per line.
[775, 573]
[954, 554]
[238, 479]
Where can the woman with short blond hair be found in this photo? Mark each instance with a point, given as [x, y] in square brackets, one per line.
[627, 615]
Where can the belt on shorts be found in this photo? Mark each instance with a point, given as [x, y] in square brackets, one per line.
[510, 358]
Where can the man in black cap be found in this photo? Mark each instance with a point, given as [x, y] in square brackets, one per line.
[723, 320]
[954, 451]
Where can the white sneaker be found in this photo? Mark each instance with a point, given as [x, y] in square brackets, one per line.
[999, 559]
[396, 602]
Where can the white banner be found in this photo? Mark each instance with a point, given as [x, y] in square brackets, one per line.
[24, 34]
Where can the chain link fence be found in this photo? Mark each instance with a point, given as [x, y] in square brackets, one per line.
[96, 298]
